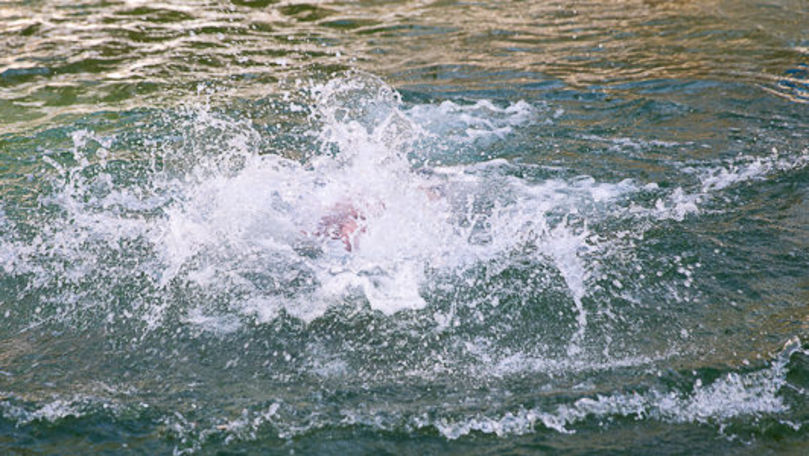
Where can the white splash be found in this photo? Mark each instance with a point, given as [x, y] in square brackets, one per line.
[745, 168]
[219, 220]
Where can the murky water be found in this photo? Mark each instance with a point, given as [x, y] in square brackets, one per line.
[404, 227]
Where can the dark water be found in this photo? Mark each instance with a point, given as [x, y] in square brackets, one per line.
[582, 227]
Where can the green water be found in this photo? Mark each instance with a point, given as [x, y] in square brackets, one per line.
[582, 227]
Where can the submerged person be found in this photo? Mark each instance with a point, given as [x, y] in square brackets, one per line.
[346, 221]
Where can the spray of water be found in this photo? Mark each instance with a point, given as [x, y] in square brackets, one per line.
[392, 209]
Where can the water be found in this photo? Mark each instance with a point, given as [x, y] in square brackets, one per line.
[404, 227]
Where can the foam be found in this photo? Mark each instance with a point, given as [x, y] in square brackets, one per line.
[730, 396]
[714, 179]
[746, 168]
[56, 409]
[756, 393]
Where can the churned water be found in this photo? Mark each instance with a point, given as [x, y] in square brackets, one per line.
[429, 227]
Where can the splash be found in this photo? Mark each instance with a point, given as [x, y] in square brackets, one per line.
[214, 216]
[389, 204]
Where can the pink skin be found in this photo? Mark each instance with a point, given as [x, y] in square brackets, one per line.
[343, 222]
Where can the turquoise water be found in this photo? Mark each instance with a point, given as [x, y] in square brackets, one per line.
[578, 227]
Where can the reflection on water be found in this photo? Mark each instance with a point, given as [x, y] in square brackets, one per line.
[72, 57]
[406, 227]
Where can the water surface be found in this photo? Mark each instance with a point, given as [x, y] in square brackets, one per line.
[582, 227]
